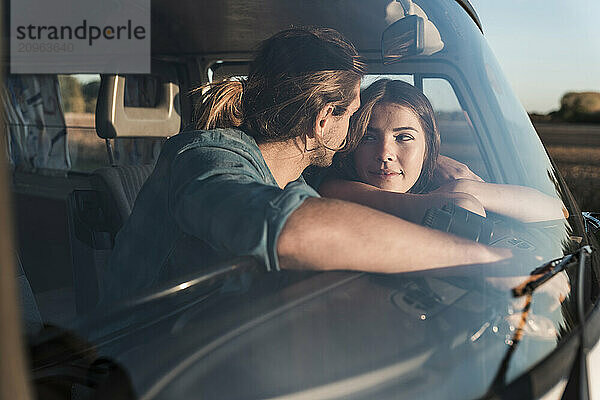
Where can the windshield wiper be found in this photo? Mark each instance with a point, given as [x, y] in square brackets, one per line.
[549, 270]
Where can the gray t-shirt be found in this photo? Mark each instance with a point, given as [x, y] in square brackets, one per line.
[210, 198]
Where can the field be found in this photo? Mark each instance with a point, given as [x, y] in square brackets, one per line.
[576, 151]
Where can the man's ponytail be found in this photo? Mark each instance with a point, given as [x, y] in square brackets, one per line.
[295, 74]
[220, 105]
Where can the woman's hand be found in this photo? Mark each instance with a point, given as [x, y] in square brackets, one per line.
[448, 170]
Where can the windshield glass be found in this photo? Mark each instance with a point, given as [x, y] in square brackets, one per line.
[441, 124]
[482, 125]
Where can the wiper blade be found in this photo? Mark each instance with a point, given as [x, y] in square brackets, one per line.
[549, 270]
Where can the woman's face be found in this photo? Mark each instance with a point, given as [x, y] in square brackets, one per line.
[391, 153]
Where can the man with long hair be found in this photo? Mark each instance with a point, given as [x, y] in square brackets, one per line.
[234, 186]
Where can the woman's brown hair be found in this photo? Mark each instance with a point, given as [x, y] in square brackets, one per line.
[405, 95]
[296, 73]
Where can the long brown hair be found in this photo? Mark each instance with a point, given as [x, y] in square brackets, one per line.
[405, 95]
[296, 73]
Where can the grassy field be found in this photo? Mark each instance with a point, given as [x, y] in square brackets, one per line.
[579, 164]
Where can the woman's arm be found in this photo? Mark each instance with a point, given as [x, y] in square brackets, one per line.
[411, 207]
[520, 202]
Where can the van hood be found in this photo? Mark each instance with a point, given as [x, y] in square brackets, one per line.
[331, 335]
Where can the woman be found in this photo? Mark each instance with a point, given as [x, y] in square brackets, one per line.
[397, 167]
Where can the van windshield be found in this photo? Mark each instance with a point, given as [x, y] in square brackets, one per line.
[237, 331]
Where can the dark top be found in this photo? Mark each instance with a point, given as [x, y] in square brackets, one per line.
[211, 197]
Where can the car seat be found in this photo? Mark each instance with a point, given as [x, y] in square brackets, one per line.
[96, 214]
[94, 217]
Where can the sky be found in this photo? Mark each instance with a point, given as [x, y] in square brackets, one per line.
[545, 47]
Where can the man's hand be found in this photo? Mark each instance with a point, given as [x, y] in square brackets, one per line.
[558, 287]
[448, 170]
[523, 319]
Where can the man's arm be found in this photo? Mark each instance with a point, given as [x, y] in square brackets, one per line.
[329, 234]
[219, 197]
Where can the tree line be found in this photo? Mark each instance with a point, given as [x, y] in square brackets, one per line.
[574, 107]
[78, 97]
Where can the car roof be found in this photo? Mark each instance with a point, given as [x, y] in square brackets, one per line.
[208, 27]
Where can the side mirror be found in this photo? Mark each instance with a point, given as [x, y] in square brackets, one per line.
[404, 38]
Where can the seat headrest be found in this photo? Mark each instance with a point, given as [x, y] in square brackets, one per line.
[139, 105]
